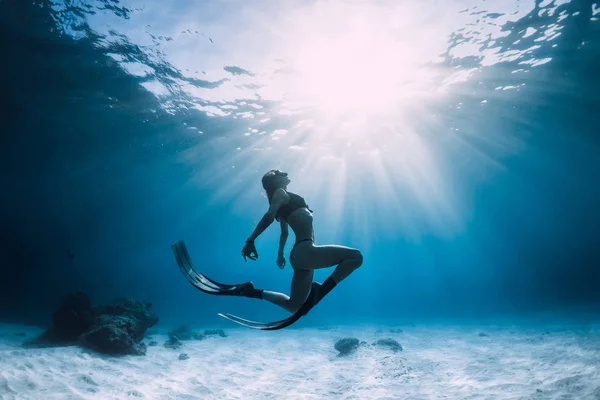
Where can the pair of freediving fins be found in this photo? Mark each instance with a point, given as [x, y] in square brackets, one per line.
[210, 286]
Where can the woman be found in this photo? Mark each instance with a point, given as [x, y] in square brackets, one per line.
[290, 209]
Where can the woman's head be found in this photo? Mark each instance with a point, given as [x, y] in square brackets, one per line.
[273, 180]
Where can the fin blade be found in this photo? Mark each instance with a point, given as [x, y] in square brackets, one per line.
[197, 279]
[264, 326]
[247, 322]
[183, 249]
[269, 326]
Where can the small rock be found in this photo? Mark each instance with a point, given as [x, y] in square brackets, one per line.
[88, 379]
[182, 332]
[173, 343]
[538, 390]
[346, 346]
[184, 356]
[389, 343]
[153, 343]
[138, 312]
[112, 336]
[481, 334]
[219, 332]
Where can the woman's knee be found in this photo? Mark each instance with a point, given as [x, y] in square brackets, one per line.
[357, 255]
[294, 305]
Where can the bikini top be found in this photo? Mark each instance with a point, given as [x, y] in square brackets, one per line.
[295, 203]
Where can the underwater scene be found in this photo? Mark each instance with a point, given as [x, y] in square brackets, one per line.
[300, 199]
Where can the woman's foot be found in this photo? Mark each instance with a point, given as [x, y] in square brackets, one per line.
[246, 290]
[317, 292]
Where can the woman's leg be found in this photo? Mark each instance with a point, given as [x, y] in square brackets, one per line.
[305, 261]
[299, 291]
[346, 259]
[315, 257]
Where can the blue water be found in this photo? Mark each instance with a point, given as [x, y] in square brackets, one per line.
[456, 145]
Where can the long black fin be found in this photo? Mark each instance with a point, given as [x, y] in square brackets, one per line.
[197, 279]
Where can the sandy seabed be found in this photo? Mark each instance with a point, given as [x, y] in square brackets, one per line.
[438, 362]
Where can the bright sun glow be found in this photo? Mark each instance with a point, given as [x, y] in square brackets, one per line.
[345, 58]
[353, 71]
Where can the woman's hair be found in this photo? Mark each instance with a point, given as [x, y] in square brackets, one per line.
[267, 182]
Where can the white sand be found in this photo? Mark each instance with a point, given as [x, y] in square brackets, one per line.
[438, 362]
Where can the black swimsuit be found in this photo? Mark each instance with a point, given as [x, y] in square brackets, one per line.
[295, 203]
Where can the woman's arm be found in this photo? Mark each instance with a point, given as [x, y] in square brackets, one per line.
[283, 237]
[280, 197]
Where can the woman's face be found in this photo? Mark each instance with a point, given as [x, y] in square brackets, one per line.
[281, 178]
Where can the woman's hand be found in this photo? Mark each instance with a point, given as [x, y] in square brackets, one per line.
[249, 251]
[280, 260]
